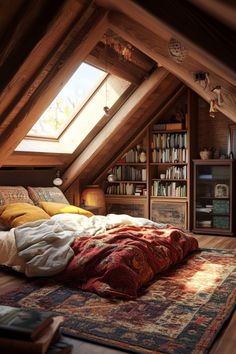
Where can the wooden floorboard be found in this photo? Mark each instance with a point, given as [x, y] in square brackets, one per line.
[225, 343]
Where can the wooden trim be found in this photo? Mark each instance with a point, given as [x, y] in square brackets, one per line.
[35, 160]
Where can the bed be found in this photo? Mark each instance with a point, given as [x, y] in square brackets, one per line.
[112, 255]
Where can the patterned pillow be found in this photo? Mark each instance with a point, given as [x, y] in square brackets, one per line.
[17, 194]
[46, 194]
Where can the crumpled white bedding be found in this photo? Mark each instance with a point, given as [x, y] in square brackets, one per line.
[42, 248]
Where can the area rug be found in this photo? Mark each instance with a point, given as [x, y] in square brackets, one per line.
[182, 311]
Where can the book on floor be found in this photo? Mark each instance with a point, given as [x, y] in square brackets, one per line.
[38, 346]
[61, 346]
[24, 324]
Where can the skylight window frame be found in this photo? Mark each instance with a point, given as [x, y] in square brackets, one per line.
[75, 114]
[60, 145]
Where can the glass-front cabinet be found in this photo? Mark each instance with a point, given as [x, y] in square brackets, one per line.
[213, 197]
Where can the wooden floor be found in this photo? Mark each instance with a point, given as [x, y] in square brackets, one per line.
[225, 344]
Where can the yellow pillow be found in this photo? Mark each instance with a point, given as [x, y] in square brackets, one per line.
[15, 214]
[52, 208]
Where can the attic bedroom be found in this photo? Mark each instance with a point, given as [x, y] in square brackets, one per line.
[117, 174]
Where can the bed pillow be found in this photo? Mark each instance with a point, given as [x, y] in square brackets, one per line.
[15, 214]
[16, 194]
[61, 208]
[46, 194]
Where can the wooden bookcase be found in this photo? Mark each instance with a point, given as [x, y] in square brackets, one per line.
[160, 186]
[128, 192]
[213, 196]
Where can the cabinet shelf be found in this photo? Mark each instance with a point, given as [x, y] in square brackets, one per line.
[176, 131]
[141, 164]
[129, 181]
[169, 180]
[168, 163]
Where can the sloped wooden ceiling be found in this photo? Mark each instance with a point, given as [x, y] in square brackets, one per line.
[42, 43]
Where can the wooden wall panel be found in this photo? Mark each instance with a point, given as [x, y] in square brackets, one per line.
[27, 177]
[212, 132]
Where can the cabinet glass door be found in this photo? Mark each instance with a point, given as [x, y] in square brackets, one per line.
[212, 197]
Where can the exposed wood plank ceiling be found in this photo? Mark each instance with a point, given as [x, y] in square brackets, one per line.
[43, 42]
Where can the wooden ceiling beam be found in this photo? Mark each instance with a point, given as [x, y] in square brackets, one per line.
[35, 160]
[108, 59]
[225, 11]
[120, 118]
[66, 64]
[210, 42]
[156, 47]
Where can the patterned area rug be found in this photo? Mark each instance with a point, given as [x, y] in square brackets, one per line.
[181, 312]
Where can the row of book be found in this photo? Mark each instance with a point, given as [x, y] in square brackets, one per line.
[171, 155]
[176, 172]
[169, 189]
[127, 189]
[169, 140]
[129, 173]
[26, 331]
[133, 155]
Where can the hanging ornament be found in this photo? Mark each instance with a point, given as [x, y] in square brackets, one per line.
[213, 108]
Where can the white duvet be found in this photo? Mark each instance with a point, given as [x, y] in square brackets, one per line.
[42, 248]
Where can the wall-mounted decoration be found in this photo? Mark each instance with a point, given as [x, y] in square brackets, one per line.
[176, 50]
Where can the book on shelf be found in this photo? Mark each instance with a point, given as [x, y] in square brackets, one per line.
[23, 323]
[39, 346]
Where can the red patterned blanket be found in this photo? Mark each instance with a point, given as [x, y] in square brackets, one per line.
[121, 260]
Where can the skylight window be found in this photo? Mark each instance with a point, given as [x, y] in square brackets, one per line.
[75, 114]
[68, 102]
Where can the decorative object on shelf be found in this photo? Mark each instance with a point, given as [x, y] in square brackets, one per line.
[57, 180]
[129, 188]
[142, 156]
[206, 154]
[176, 50]
[111, 178]
[221, 191]
[94, 196]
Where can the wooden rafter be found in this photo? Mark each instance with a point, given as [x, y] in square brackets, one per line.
[76, 51]
[202, 35]
[156, 46]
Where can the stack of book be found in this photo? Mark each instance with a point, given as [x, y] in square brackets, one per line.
[31, 331]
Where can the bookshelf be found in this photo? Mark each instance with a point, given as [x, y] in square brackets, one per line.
[158, 187]
[127, 189]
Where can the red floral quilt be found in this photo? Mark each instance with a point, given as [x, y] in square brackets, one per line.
[118, 262]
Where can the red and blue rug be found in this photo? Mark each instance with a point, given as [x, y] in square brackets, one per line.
[181, 312]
